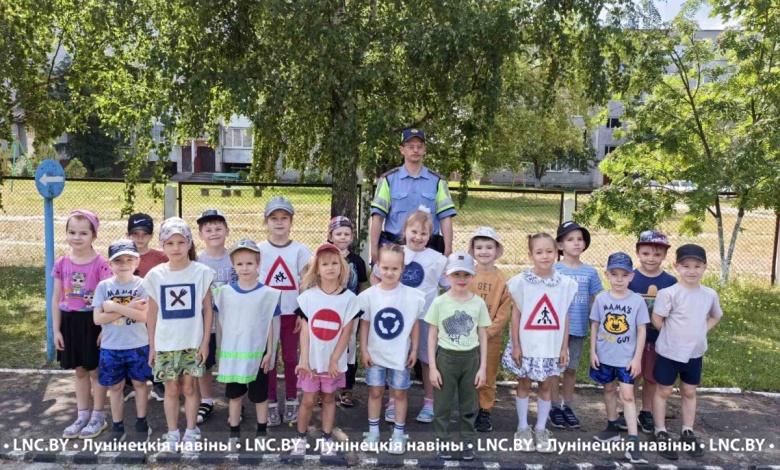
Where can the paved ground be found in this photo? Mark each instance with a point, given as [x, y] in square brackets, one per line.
[41, 406]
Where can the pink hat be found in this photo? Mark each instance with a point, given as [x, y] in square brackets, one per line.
[93, 219]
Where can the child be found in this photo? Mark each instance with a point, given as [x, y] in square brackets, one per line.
[648, 279]
[282, 264]
[424, 270]
[458, 320]
[75, 334]
[683, 314]
[490, 284]
[213, 230]
[572, 240]
[341, 234]
[179, 313]
[120, 307]
[538, 345]
[140, 228]
[617, 337]
[245, 309]
[388, 326]
[326, 308]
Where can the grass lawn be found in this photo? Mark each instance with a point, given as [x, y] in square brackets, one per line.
[744, 349]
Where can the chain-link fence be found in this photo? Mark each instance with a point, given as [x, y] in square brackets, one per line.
[754, 251]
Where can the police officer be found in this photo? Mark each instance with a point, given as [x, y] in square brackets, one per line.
[406, 188]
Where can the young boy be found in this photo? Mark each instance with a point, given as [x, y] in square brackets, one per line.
[213, 230]
[617, 337]
[140, 228]
[572, 241]
[683, 314]
[458, 320]
[649, 278]
[341, 233]
[120, 307]
[244, 306]
[283, 262]
[490, 284]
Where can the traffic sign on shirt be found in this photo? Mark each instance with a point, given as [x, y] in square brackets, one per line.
[280, 277]
[413, 274]
[543, 316]
[388, 323]
[325, 324]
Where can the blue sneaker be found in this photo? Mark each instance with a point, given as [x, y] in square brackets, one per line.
[571, 420]
[425, 415]
[556, 418]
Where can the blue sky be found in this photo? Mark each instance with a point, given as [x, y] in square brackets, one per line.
[670, 8]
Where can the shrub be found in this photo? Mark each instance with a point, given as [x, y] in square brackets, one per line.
[75, 169]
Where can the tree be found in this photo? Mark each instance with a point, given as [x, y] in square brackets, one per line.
[709, 120]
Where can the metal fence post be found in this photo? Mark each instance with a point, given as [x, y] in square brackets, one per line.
[775, 257]
[169, 209]
[568, 209]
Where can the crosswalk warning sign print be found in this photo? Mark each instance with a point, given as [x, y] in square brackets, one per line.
[280, 277]
[543, 316]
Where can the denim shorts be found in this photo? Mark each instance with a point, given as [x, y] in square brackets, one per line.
[607, 374]
[376, 376]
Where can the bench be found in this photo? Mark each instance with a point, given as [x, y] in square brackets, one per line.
[225, 177]
[226, 192]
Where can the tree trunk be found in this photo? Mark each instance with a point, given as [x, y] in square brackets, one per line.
[344, 157]
[724, 268]
[726, 263]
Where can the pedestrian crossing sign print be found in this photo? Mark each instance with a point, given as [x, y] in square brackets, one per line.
[543, 316]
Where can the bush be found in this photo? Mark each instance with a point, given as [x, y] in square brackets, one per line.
[75, 169]
[103, 173]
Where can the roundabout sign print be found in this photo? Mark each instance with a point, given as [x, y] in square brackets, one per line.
[388, 323]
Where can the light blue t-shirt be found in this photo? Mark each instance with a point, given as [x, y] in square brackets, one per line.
[123, 333]
[589, 283]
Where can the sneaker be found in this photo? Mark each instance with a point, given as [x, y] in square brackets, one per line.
[609, 434]
[240, 417]
[233, 443]
[128, 391]
[444, 455]
[483, 423]
[525, 438]
[556, 418]
[667, 452]
[273, 415]
[633, 454]
[468, 453]
[204, 411]
[690, 439]
[645, 422]
[544, 441]
[425, 415]
[390, 412]
[570, 418]
[170, 442]
[93, 428]
[397, 444]
[189, 444]
[327, 448]
[621, 422]
[371, 439]
[73, 431]
[116, 435]
[299, 446]
[142, 432]
[291, 411]
[158, 391]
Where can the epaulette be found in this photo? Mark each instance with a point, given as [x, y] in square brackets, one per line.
[388, 173]
[438, 175]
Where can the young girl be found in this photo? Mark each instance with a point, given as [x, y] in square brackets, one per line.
[179, 305]
[75, 334]
[326, 308]
[537, 350]
[389, 324]
[424, 270]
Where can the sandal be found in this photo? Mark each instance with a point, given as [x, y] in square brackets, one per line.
[346, 399]
[204, 411]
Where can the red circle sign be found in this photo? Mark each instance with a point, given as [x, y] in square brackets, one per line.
[326, 324]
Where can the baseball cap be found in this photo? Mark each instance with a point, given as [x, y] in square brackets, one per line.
[412, 133]
[339, 221]
[140, 221]
[211, 214]
[244, 244]
[173, 226]
[327, 247]
[122, 247]
[486, 232]
[620, 260]
[653, 237]
[691, 251]
[277, 203]
[460, 262]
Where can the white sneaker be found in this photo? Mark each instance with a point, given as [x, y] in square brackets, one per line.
[170, 443]
[73, 431]
[397, 444]
[544, 441]
[300, 446]
[189, 444]
[232, 443]
[327, 448]
[525, 440]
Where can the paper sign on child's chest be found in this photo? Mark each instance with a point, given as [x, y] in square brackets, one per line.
[543, 316]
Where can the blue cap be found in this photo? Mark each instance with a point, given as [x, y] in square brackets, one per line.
[412, 133]
[122, 247]
[620, 260]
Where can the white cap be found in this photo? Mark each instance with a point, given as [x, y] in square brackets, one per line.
[460, 262]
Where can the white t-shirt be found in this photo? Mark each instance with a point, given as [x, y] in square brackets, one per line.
[326, 317]
[391, 315]
[244, 320]
[280, 268]
[684, 334]
[179, 296]
[543, 304]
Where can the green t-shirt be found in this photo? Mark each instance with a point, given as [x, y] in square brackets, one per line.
[458, 321]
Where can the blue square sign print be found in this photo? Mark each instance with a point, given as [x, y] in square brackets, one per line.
[178, 301]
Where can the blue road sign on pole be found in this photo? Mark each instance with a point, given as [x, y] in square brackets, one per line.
[50, 181]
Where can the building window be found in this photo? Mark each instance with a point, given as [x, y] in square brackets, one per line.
[613, 122]
[157, 131]
[555, 167]
[609, 149]
[238, 138]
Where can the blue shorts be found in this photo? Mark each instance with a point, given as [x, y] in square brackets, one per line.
[212, 359]
[376, 376]
[118, 364]
[666, 371]
[607, 374]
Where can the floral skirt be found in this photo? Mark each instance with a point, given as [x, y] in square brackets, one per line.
[537, 369]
